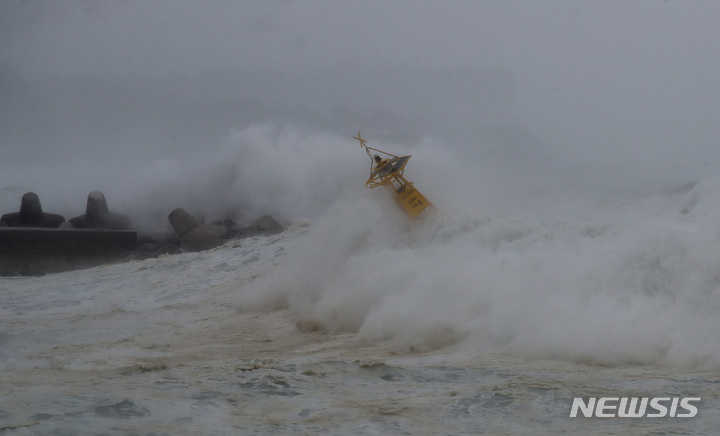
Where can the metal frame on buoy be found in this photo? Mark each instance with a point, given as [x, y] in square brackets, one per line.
[387, 170]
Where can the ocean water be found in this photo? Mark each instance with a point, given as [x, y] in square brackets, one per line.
[358, 322]
[520, 292]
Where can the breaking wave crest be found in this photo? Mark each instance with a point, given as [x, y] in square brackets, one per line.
[621, 279]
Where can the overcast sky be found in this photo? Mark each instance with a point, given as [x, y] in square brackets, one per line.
[630, 84]
[557, 37]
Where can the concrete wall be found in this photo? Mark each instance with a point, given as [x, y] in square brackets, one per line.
[41, 250]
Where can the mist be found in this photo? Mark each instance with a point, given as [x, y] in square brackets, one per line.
[163, 106]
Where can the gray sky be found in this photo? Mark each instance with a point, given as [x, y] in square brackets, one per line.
[624, 86]
[568, 37]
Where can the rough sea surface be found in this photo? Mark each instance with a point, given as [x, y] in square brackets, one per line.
[361, 323]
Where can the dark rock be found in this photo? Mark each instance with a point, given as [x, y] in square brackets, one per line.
[231, 228]
[264, 226]
[149, 247]
[245, 232]
[31, 214]
[98, 216]
[182, 222]
[267, 225]
[168, 249]
[194, 235]
[220, 229]
[150, 250]
[130, 256]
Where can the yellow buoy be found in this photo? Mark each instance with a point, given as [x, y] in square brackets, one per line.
[387, 170]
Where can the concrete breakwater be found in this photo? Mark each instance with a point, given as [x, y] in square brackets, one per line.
[34, 242]
[34, 251]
